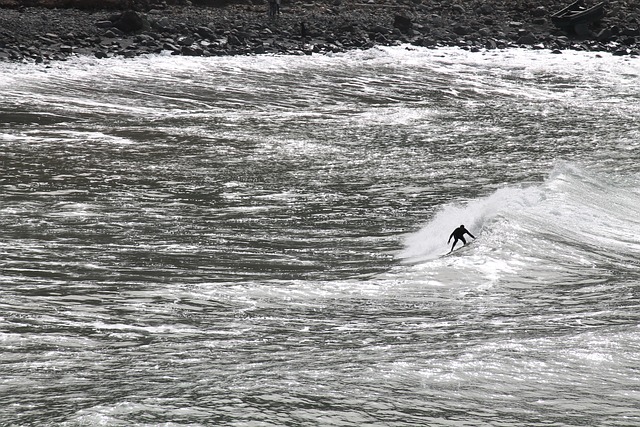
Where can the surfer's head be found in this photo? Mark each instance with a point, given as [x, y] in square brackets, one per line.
[462, 226]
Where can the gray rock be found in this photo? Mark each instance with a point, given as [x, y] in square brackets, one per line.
[104, 24]
[486, 9]
[110, 34]
[46, 40]
[379, 29]
[527, 39]
[162, 23]
[170, 46]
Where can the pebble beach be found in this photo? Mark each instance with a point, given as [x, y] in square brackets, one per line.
[43, 34]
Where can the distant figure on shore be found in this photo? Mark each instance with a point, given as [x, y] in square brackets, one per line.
[458, 234]
[274, 8]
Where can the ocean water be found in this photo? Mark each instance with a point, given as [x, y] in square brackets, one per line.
[260, 241]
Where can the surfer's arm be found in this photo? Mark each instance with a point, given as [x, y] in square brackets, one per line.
[450, 238]
[471, 235]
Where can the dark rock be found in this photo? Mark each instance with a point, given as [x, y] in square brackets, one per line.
[191, 51]
[233, 40]
[382, 39]
[539, 12]
[402, 23]
[604, 35]
[486, 9]
[426, 42]
[527, 39]
[205, 32]
[628, 41]
[130, 22]
[186, 41]
[582, 29]
[462, 30]
[379, 29]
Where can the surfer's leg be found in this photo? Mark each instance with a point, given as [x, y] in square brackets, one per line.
[454, 245]
[464, 242]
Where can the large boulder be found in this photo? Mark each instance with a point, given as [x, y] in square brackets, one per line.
[402, 23]
[527, 38]
[462, 29]
[130, 21]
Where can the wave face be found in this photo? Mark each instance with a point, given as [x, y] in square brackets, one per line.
[259, 240]
[574, 228]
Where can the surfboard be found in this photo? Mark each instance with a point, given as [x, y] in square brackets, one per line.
[459, 249]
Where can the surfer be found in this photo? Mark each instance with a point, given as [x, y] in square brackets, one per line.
[458, 234]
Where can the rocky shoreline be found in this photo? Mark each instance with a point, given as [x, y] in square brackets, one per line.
[42, 35]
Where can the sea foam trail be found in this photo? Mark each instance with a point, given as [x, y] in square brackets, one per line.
[477, 216]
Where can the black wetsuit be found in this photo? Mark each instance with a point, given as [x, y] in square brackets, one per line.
[458, 234]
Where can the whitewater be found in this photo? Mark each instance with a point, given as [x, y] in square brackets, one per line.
[261, 241]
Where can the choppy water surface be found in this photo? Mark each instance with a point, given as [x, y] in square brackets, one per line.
[258, 241]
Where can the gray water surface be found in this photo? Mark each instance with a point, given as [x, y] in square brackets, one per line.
[257, 241]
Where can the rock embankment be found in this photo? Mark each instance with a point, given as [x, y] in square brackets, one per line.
[37, 34]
